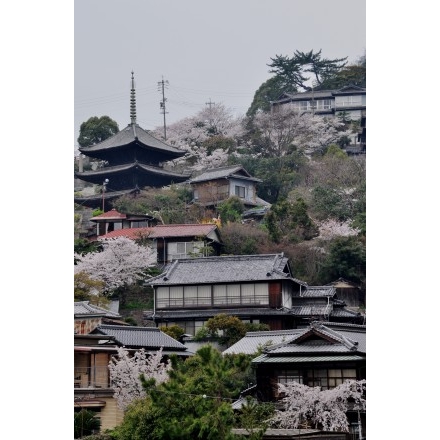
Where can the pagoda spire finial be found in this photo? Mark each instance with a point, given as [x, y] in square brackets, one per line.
[132, 101]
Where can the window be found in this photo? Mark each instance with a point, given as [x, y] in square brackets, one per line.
[347, 101]
[184, 249]
[324, 104]
[197, 296]
[329, 378]
[240, 191]
[324, 378]
[176, 296]
[208, 295]
[286, 376]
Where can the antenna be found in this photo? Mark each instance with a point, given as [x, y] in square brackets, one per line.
[161, 85]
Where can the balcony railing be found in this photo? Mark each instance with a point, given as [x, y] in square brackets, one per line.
[91, 377]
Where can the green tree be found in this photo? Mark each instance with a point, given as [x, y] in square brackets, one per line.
[270, 90]
[292, 70]
[87, 289]
[231, 209]
[346, 258]
[243, 239]
[226, 329]
[85, 423]
[291, 221]
[174, 331]
[195, 403]
[83, 246]
[353, 74]
[255, 417]
[96, 130]
[166, 204]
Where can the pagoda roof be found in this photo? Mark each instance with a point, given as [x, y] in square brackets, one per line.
[107, 172]
[97, 198]
[133, 133]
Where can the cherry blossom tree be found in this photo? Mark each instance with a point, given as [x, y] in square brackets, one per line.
[121, 262]
[208, 137]
[285, 127]
[126, 371]
[323, 409]
[331, 228]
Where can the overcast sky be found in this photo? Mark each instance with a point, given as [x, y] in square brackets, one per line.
[208, 51]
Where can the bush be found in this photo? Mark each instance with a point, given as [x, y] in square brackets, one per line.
[85, 423]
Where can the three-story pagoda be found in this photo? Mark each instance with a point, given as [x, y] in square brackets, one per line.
[133, 159]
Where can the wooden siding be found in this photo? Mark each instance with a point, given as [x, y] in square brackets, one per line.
[84, 326]
[275, 294]
[212, 191]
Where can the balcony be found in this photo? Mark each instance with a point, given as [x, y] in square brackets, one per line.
[91, 377]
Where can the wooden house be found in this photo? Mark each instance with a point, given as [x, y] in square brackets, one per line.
[114, 221]
[175, 241]
[94, 345]
[255, 288]
[217, 185]
[323, 354]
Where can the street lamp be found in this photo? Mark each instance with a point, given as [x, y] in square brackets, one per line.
[104, 185]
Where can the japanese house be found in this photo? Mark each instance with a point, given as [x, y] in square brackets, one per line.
[255, 288]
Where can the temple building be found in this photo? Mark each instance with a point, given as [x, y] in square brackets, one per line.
[133, 159]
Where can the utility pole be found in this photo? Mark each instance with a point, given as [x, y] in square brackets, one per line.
[161, 85]
[210, 104]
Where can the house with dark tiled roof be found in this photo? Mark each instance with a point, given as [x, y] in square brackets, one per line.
[255, 288]
[89, 316]
[176, 241]
[218, 184]
[92, 354]
[147, 338]
[323, 354]
[92, 390]
[349, 101]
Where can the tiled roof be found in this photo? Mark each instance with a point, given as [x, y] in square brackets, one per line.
[319, 339]
[137, 166]
[140, 337]
[250, 343]
[133, 233]
[130, 134]
[113, 214]
[108, 195]
[85, 308]
[304, 96]
[344, 313]
[159, 231]
[224, 172]
[185, 230]
[223, 269]
[264, 358]
[312, 348]
[317, 291]
[311, 310]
